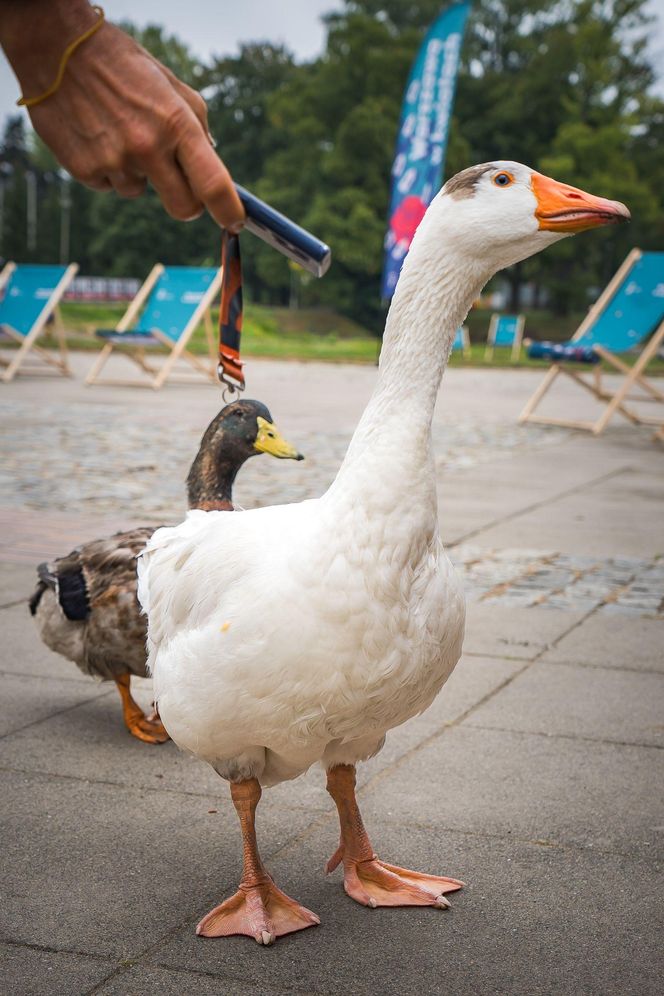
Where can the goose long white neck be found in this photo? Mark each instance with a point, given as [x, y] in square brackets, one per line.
[437, 286]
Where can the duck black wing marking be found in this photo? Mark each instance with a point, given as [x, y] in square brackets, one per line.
[96, 569]
[66, 578]
[47, 579]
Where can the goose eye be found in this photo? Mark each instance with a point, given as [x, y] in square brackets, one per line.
[503, 179]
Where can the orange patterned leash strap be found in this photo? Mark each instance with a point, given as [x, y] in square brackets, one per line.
[229, 369]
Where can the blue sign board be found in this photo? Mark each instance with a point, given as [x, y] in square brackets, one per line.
[420, 152]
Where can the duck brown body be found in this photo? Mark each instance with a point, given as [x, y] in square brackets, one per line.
[86, 608]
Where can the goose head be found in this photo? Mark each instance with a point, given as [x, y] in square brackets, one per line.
[241, 430]
[502, 212]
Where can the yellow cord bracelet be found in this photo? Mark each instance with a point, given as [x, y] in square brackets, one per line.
[66, 55]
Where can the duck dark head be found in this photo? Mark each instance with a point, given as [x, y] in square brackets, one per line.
[240, 430]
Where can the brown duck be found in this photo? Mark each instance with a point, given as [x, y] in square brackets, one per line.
[85, 604]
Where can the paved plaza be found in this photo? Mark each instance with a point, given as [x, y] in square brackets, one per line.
[536, 777]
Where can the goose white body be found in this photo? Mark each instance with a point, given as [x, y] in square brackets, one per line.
[301, 633]
[337, 643]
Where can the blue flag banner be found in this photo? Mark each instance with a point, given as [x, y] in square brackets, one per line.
[420, 152]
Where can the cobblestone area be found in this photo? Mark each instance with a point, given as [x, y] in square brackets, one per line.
[529, 578]
[92, 459]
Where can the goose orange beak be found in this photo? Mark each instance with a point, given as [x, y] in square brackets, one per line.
[563, 208]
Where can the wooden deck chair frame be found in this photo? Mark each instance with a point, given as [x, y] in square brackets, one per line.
[157, 376]
[633, 376]
[491, 337]
[26, 343]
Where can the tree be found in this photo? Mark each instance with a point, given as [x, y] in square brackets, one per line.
[563, 85]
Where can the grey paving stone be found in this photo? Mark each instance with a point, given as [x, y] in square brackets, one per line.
[24, 653]
[29, 972]
[555, 790]
[115, 860]
[607, 640]
[471, 681]
[594, 518]
[591, 703]
[523, 633]
[17, 582]
[108, 871]
[149, 980]
[532, 921]
[31, 699]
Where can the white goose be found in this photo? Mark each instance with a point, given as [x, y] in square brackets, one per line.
[299, 633]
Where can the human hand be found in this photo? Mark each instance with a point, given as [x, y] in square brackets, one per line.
[120, 118]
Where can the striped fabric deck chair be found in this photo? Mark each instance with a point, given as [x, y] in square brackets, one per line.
[165, 312]
[628, 316]
[462, 342]
[505, 330]
[30, 295]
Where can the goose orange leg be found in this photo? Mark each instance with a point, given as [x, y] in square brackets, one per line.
[150, 729]
[258, 909]
[368, 880]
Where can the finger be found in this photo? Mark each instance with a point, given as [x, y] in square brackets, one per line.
[197, 104]
[209, 180]
[174, 191]
[194, 100]
[190, 96]
[127, 184]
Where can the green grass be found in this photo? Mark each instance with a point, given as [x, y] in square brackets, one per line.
[269, 332]
[309, 334]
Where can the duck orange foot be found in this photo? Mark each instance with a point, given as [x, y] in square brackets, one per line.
[149, 729]
[373, 883]
[260, 911]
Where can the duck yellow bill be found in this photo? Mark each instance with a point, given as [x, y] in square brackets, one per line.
[563, 208]
[269, 440]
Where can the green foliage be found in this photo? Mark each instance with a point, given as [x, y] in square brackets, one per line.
[563, 85]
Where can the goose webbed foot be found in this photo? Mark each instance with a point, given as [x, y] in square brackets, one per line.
[258, 909]
[149, 729]
[261, 911]
[373, 883]
[367, 879]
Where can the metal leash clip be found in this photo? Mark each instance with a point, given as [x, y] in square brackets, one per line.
[230, 385]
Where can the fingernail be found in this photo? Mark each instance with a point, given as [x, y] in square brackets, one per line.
[212, 140]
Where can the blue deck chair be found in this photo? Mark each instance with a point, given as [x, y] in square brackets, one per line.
[165, 312]
[462, 341]
[505, 330]
[30, 294]
[627, 316]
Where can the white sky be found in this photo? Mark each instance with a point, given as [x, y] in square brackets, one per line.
[217, 27]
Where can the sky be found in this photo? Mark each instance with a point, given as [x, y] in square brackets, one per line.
[218, 27]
